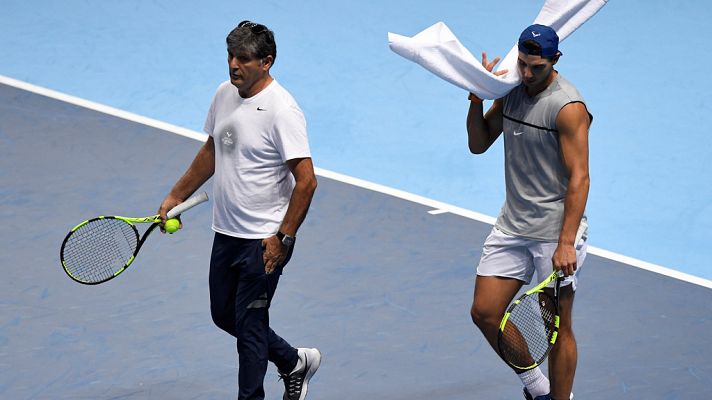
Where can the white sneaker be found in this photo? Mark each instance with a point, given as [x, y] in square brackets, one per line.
[296, 382]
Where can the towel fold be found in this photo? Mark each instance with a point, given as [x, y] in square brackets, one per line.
[440, 52]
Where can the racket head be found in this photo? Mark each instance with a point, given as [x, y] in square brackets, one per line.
[99, 249]
[529, 329]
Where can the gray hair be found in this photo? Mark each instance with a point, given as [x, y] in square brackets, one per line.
[253, 39]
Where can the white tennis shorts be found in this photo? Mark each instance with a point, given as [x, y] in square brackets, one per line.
[516, 257]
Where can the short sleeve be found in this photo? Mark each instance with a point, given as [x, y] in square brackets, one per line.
[209, 126]
[210, 118]
[290, 134]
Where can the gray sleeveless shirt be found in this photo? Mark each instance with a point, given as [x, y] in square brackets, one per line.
[535, 176]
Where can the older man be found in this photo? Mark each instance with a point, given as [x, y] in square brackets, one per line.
[264, 181]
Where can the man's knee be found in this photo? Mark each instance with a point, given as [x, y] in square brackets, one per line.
[223, 320]
[483, 317]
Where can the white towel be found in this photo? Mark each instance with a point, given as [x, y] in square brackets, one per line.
[438, 50]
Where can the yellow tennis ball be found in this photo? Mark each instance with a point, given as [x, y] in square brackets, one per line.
[172, 225]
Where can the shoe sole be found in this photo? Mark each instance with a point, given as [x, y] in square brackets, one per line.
[311, 370]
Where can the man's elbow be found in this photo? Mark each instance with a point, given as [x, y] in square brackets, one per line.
[308, 185]
[477, 142]
[313, 184]
[477, 150]
[582, 180]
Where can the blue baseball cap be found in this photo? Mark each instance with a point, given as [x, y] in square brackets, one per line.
[544, 36]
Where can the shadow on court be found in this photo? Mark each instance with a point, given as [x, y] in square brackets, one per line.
[379, 285]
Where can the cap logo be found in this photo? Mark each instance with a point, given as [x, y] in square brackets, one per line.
[544, 36]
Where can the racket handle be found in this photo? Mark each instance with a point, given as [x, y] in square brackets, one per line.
[187, 205]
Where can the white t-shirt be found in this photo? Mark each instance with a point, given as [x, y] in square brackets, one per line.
[254, 138]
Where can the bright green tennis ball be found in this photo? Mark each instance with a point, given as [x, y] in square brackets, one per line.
[172, 225]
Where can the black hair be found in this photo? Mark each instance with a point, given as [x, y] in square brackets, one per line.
[534, 48]
[255, 40]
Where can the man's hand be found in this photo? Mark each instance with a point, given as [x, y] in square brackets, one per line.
[274, 253]
[564, 259]
[489, 66]
[168, 203]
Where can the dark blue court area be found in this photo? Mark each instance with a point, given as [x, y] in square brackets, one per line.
[381, 286]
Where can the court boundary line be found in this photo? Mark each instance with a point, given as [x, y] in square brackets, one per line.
[438, 207]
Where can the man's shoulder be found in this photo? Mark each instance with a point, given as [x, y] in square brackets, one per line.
[282, 99]
[281, 92]
[567, 89]
[569, 94]
[225, 88]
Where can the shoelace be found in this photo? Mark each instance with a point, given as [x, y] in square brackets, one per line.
[292, 384]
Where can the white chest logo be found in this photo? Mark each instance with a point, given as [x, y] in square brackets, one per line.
[227, 139]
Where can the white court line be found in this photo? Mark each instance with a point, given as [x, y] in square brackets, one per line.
[102, 108]
[438, 207]
[437, 212]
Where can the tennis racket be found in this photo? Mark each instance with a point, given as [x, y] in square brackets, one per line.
[100, 249]
[530, 326]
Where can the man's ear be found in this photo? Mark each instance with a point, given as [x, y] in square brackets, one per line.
[267, 62]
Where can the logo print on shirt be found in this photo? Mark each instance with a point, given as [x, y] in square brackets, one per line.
[261, 109]
[518, 133]
[227, 139]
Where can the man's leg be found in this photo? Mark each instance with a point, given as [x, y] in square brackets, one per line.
[505, 266]
[492, 297]
[490, 301]
[281, 353]
[255, 340]
[563, 356]
[296, 366]
[223, 280]
[238, 305]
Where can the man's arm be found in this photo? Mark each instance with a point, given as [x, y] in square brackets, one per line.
[572, 123]
[482, 131]
[304, 188]
[200, 170]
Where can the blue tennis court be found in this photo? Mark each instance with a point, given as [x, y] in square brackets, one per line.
[382, 278]
[381, 284]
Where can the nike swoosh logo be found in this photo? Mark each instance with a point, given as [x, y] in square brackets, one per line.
[517, 133]
[261, 109]
[536, 34]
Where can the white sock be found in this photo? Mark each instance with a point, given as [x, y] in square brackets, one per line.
[536, 383]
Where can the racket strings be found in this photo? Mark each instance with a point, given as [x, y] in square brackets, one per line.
[97, 250]
[526, 337]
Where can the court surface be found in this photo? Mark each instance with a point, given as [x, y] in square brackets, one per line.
[380, 284]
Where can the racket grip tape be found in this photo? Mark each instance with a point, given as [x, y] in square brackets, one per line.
[187, 205]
